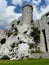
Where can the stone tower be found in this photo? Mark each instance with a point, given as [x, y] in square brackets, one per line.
[27, 15]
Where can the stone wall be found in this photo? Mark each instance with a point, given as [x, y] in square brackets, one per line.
[3, 34]
[40, 55]
[43, 24]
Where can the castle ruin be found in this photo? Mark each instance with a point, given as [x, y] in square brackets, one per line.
[19, 33]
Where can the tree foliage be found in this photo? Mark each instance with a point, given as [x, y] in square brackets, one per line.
[36, 36]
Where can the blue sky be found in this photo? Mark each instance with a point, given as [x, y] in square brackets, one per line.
[12, 9]
[19, 7]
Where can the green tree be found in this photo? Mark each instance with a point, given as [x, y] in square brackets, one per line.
[36, 36]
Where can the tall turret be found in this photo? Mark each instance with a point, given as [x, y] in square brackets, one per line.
[27, 15]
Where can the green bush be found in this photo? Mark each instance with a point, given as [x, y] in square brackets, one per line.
[15, 33]
[35, 52]
[5, 57]
[32, 52]
[38, 51]
[30, 46]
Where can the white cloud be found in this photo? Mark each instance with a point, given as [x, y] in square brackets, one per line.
[10, 13]
[15, 2]
[3, 5]
[45, 9]
[47, 2]
[27, 0]
[7, 13]
[36, 2]
[37, 14]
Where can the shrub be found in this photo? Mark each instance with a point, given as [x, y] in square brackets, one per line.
[30, 46]
[15, 33]
[33, 52]
[5, 57]
[36, 51]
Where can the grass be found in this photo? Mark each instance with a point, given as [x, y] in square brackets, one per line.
[25, 62]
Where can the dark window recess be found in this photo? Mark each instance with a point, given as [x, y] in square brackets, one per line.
[18, 38]
[39, 32]
[13, 45]
[3, 41]
[18, 22]
[25, 32]
[48, 23]
[27, 56]
[20, 42]
[31, 21]
[47, 14]
[16, 56]
[12, 25]
[45, 40]
[16, 29]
